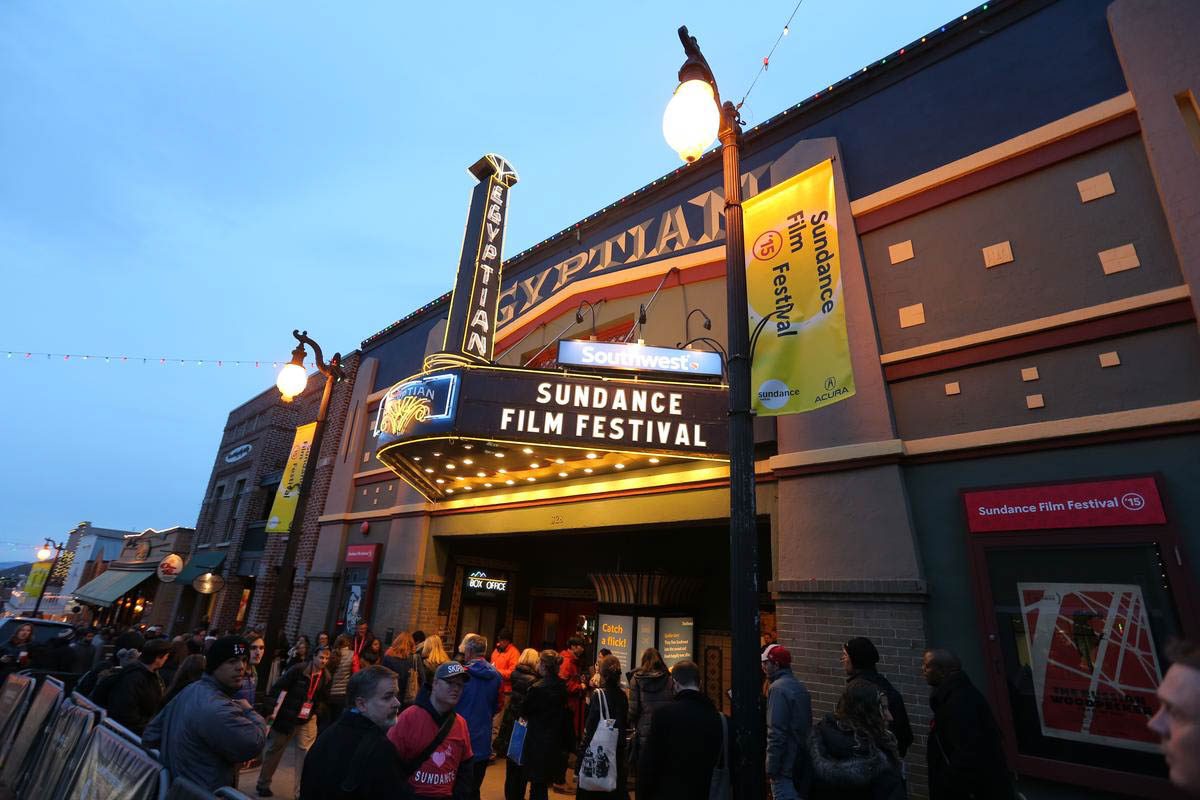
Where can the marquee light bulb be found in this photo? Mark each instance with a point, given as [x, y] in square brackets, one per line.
[562, 474]
[654, 461]
[429, 470]
[450, 465]
[480, 474]
[692, 119]
[591, 455]
[468, 461]
[534, 465]
[291, 381]
[588, 470]
[619, 466]
[509, 482]
[527, 450]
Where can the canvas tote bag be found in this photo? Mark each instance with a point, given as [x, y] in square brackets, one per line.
[598, 770]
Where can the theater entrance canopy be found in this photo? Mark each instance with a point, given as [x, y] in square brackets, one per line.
[473, 429]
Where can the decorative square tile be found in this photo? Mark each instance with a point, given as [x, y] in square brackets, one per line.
[913, 315]
[996, 254]
[1095, 187]
[953, 389]
[900, 251]
[1110, 359]
[1034, 401]
[1119, 259]
[1029, 374]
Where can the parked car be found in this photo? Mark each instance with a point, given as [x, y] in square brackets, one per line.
[43, 629]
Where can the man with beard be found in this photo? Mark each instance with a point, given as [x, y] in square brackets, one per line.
[353, 758]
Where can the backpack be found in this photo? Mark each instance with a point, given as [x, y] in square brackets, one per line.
[105, 685]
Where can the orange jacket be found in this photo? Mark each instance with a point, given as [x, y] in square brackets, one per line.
[505, 663]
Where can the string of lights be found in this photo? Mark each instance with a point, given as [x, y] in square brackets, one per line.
[30, 355]
[766, 62]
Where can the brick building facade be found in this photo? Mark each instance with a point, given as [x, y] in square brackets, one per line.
[231, 539]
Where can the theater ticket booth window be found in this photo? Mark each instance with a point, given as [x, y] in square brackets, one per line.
[1079, 587]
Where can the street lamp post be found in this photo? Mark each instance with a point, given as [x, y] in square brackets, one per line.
[43, 554]
[291, 382]
[693, 117]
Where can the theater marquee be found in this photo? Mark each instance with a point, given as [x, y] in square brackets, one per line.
[479, 428]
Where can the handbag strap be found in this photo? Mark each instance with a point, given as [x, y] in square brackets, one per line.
[603, 705]
[409, 767]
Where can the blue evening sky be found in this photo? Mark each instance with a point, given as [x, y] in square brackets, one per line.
[195, 179]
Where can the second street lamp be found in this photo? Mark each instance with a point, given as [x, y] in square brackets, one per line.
[689, 127]
[50, 548]
[291, 382]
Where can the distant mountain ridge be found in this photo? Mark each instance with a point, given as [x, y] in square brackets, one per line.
[14, 567]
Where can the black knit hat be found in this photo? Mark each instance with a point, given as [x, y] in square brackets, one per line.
[223, 649]
[862, 652]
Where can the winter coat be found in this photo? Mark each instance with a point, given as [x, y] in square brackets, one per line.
[505, 663]
[547, 740]
[478, 705]
[341, 674]
[846, 767]
[569, 672]
[357, 748]
[677, 758]
[403, 667]
[135, 697]
[647, 691]
[296, 682]
[618, 709]
[966, 759]
[789, 720]
[522, 678]
[203, 734]
[899, 726]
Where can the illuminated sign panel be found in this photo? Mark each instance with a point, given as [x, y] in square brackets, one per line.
[423, 402]
[638, 358]
[480, 582]
[581, 412]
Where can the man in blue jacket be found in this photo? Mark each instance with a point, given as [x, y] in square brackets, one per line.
[789, 719]
[478, 705]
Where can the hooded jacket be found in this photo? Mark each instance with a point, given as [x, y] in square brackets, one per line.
[135, 697]
[204, 734]
[478, 705]
[647, 691]
[847, 767]
[789, 720]
[523, 677]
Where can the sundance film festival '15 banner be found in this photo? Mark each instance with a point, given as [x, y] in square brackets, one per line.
[287, 496]
[794, 276]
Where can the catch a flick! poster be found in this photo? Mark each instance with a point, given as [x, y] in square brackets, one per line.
[1095, 667]
[794, 289]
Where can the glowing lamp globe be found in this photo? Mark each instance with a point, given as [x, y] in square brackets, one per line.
[291, 381]
[692, 119]
[44, 554]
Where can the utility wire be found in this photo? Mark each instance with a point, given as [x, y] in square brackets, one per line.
[766, 61]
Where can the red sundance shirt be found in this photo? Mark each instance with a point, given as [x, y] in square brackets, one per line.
[413, 732]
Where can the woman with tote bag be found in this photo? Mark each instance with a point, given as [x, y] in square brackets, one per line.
[602, 769]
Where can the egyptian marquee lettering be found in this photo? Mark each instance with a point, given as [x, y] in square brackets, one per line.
[697, 222]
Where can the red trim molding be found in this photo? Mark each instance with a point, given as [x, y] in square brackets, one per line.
[1089, 139]
[1129, 322]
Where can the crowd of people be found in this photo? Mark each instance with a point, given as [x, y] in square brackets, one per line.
[414, 720]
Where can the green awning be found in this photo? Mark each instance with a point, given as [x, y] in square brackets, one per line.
[199, 564]
[111, 584]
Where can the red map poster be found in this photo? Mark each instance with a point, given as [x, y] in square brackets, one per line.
[1094, 665]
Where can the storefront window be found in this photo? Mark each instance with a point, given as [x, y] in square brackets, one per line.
[1081, 631]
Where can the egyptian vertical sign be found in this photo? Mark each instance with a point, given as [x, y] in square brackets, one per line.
[287, 496]
[794, 287]
[1095, 667]
[471, 325]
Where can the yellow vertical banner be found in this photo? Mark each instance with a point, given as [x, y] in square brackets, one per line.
[283, 509]
[794, 283]
[35, 584]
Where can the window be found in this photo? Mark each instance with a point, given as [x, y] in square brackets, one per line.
[235, 508]
[214, 509]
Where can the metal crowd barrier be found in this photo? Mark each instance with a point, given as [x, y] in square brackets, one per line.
[29, 735]
[54, 747]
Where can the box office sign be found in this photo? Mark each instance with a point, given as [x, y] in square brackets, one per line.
[544, 407]
[1094, 504]
[479, 582]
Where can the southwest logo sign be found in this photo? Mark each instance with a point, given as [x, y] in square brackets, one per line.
[638, 358]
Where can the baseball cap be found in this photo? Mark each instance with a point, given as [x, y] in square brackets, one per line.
[223, 649]
[451, 670]
[778, 655]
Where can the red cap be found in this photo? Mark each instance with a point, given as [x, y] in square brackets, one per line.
[778, 655]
